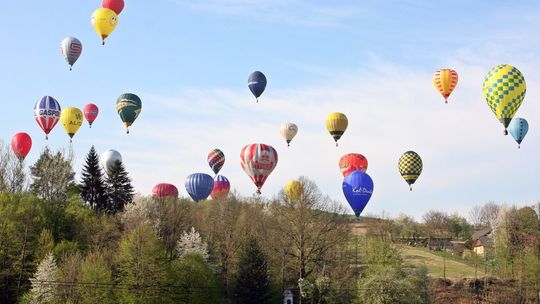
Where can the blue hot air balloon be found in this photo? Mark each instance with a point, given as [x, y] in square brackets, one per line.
[257, 83]
[199, 186]
[358, 187]
[518, 128]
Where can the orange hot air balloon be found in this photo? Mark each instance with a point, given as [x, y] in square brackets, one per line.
[351, 162]
[445, 81]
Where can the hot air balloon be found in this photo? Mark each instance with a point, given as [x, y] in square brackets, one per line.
[90, 112]
[71, 49]
[47, 113]
[258, 161]
[116, 5]
[164, 190]
[257, 84]
[71, 119]
[410, 167]
[104, 21]
[294, 190]
[221, 189]
[216, 159]
[21, 143]
[129, 107]
[518, 129]
[352, 162]
[336, 124]
[445, 81]
[288, 131]
[108, 159]
[199, 186]
[504, 89]
[358, 188]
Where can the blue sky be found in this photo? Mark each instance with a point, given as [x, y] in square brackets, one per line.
[189, 62]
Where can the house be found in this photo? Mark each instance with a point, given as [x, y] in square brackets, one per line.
[440, 244]
[481, 240]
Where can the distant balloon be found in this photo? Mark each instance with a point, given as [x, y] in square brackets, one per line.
[221, 189]
[21, 143]
[294, 190]
[71, 49]
[108, 159]
[257, 84]
[352, 162]
[504, 89]
[71, 119]
[129, 107]
[216, 159]
[165, 190]
[116, 5]
[410, 167]
[104, 21]
[518, 129]
[47, 113]
[445, 81]
[358, 188]
[90, 112]
[288, 131]
[258, 161]
[199, 186]
[336, 124]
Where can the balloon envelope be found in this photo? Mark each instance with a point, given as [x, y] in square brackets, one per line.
[410, 167]
[336, 124]
[104, 21]
[352, 162]
[71, 49]
[164, 190]
[518, 129]
[258, 161]
[21, 143]
[90, 112]
[358, 188]
[222, 186]
[216, 160]
[199, 186]
[108, 159]
[257, 83]
[116, 5]
[47, 113]
[288, 131]
[445, 81]
[71, 119]
[129, 107]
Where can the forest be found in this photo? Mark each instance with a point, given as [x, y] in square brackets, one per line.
[94, 240]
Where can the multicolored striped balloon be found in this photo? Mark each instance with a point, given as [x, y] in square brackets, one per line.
[222, 186]
[258, 161]
[47, 113]
[71, 49]
[216, 160]
[445, 81]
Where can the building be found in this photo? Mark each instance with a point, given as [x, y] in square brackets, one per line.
[481, 240]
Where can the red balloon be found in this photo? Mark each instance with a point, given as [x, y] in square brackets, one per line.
[90, 112]
[222, 186]
[116, 5]
[21, 143]
[165, 191]
[352, 162]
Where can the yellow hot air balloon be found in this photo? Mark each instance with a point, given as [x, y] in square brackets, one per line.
[104, 22]
[410, 167]
[71, 119]
[445, 81]
[294, 190]
[336, 124]
[504, 89]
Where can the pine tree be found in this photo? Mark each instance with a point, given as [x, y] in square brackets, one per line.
[119, 188]
[43, 288]
[253, 282]
[93, 189]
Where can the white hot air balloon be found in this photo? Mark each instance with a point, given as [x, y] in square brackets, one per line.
[108, 159]
[288, 131]
[71, 49]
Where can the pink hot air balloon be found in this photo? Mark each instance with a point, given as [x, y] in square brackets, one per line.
[165, 190]
[90, 112]
[221, 187]
[258, 161]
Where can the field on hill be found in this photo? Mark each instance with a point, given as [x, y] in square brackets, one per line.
[435, 264]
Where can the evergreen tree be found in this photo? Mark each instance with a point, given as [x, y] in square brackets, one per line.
[253, 282]
[93, 189]
[120, 190]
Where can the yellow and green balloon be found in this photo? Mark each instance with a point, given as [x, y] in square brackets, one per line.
[129, 107]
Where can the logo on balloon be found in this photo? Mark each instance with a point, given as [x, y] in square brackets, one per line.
[361, 190]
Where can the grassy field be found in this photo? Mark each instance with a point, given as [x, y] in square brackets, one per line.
[435, 265]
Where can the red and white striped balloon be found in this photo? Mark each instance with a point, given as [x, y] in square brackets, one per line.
[258, 161]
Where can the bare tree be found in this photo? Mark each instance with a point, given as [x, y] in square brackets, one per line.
[489, 213]
[12, 173]
[475, 216]
[437, 223]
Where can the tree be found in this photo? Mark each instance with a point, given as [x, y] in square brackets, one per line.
[489, 213]
[387, 286]
[52, 175]
[253, 282]
[12, 174]
[437, 223]
[95, 280]
[191, 242]
[93, 189]
[119, 188]
[43, 282]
